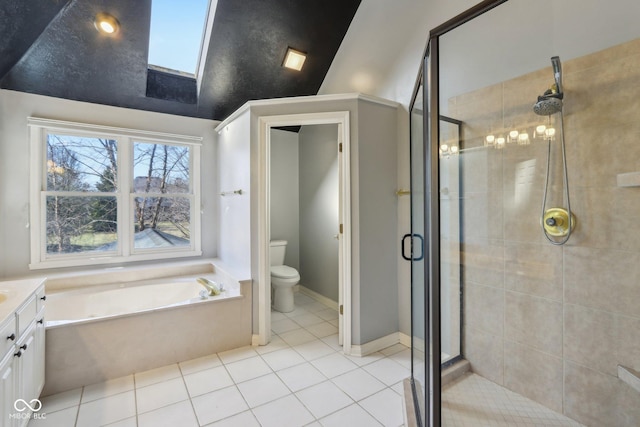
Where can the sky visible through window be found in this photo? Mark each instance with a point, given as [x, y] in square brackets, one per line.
[176, 33]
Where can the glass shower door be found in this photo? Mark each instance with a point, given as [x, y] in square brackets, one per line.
[417, 258]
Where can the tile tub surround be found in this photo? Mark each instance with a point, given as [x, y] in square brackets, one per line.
[88, 352]
[552, 323]
[300, 378]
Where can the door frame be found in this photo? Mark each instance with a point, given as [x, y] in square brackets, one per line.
[265, 124]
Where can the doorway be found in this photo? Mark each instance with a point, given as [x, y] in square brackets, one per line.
[339, 210]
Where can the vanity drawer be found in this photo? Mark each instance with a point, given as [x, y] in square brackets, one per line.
[40, 298]
[26, 314]
[7, 330]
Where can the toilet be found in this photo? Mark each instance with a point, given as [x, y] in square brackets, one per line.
[283, 277]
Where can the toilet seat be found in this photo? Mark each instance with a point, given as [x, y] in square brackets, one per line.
[283, 272]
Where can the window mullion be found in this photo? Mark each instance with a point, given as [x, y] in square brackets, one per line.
[125, 232]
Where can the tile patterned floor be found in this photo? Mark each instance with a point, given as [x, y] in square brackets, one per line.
[300, 379]
[473, 401]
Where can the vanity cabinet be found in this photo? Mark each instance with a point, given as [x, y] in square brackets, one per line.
[22, 349]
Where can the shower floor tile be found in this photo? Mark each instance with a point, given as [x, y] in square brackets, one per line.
[473, 401]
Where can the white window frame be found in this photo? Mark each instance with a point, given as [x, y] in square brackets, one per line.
[39, 128]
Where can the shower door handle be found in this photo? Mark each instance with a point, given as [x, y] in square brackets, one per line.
[412, 257]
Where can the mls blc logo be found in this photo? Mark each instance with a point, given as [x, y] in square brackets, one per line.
[22, 405]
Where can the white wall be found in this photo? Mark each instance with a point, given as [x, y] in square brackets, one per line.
[15, 107]
[319, 198]
[285, 195]
[234, 173]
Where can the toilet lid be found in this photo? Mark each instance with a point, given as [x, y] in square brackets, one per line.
[283, 271]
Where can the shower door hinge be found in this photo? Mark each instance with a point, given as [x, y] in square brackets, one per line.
[340, 147]
[341, 309]
[341, 228]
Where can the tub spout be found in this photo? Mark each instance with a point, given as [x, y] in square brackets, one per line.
[212, 288]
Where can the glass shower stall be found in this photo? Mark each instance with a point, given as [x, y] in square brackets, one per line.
[525, 204]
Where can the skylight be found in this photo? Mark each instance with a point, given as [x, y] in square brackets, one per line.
[176, 34]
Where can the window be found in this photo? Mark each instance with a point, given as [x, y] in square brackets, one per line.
[105, 195]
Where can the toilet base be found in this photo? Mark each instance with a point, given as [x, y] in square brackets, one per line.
[283, 299]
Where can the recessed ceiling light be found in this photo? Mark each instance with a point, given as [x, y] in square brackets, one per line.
[294, 59]
[106, 24]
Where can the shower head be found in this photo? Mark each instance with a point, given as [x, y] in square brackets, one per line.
[547, 105]
[551, 101]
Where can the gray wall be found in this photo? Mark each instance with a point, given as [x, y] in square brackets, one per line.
[319, 197]
[285, 194]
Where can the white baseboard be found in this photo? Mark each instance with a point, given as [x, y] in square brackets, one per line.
[375, 345]
[255, 340]
[405, 339]
[320, 298]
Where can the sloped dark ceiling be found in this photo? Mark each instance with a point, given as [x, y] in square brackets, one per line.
[53, 49]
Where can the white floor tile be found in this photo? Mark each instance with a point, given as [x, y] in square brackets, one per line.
[387, 371]
[385, 406]
[243, 419]
[284, 412]
[237, 354]
[297, 311]
[153, 376]
[332, 341]
[275, 344]
[358, 384]
[161, 394]
[127, 422]
[314, 349]
[107, 388]
[393, 349]
[302, 299]
[248, 369]
[284, 325]
[307, 319]
[315, 307]
[199, 364]
[297, 336]
[352, 416]
[107, 410]
[178, 414]
[282, 359]
[333, 365]
[63, 418]
[218, 405]
[276, 315]
[402, 357]
[365, 360]
[323, 399]
[323, 329]
[301, 376]
[207, 381]
[327, 314]
[57, 402]
[264, 389]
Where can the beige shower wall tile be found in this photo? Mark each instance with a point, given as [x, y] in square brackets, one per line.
[522, 212]
[590, 338]
[534, 321]
[483, 262]
[596, 59]
[534, 269]
[484, 308]
[533, 374]
[481, 113]
[485, 352]
[627, 333]
[481, 170]
[597, 399]
[607, 218]
[482, 215]
[603, 278]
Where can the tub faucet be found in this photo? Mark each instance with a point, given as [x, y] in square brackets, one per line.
[212, 288]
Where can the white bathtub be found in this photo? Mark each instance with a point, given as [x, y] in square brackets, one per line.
[127, 299]
[108, 330]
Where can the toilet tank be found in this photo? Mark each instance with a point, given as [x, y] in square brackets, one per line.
[277, 249]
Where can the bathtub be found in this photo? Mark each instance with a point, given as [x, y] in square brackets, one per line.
[112, 327]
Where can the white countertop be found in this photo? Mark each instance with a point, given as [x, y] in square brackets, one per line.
[16, 291]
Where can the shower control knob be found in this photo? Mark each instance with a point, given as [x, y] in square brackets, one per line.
[551, 222]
